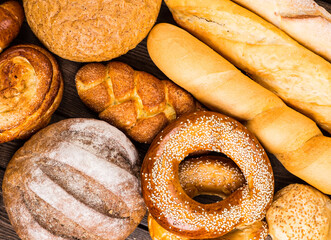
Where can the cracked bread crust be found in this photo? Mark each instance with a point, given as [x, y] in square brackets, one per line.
[300, 212]
[76, 179]
[95, 30]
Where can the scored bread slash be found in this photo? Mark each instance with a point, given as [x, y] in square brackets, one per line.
[77, 178]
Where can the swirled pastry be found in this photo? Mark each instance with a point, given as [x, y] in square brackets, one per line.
[76, 179]
[31, 89]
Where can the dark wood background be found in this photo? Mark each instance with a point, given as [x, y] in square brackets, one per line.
[72, 107]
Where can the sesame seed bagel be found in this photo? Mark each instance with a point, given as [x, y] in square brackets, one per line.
[168, 203]
[210, 175]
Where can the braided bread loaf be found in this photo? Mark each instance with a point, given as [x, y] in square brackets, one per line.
[75, 179]
[293, 138]
[134, 101]
[31, 89]
[11, 19]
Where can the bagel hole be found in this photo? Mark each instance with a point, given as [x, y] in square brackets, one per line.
[207, 199]
[205, 196]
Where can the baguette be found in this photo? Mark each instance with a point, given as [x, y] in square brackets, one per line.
[304, 20]
[293, 138]
[273, 59]
[11, 19]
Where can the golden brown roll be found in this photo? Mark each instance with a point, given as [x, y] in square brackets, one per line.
[90, 31]
[215, 176]
[75, 179]
[301, 78]
[166, 200]
[300, 212]
[31, 89]
[292, 137]
[134, 101]
[11, 19]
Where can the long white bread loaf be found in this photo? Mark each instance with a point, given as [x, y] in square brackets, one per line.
[304, 20]
[272, 58]
[292, 137]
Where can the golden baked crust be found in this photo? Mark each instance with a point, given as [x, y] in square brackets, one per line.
[298, 76]
[95, 30]
[304, 20]
[11, 19]
[211, 79]
[300, 212]
[31, 89]
[134, 101]
[256, 231]
[216, 176]
[75, 179]
[166, 200]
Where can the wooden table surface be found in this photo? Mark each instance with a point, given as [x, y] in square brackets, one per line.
[72, 107]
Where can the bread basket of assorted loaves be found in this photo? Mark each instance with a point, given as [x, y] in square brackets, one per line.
[165, 120]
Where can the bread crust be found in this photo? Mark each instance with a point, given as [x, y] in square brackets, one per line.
[75, 179]
[212, 175]
[166, 200]
[31, 89]
[295, 139]
[298, 76]
[134, 101]
[300, 212]
[91, 31]
[11, 19]
[304, 20]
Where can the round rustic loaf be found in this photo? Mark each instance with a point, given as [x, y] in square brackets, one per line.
[300, 212]
[76, 179]
[94, 30]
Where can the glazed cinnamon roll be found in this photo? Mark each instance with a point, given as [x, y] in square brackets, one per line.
[31, 89]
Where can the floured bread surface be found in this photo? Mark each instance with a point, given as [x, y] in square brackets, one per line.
[76, 179]
[300, 212]
[94, 30]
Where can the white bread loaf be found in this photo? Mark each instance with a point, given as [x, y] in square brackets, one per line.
[304, 20]
[293, 138]
[273, 59]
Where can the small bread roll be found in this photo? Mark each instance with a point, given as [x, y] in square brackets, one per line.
[300, 212]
